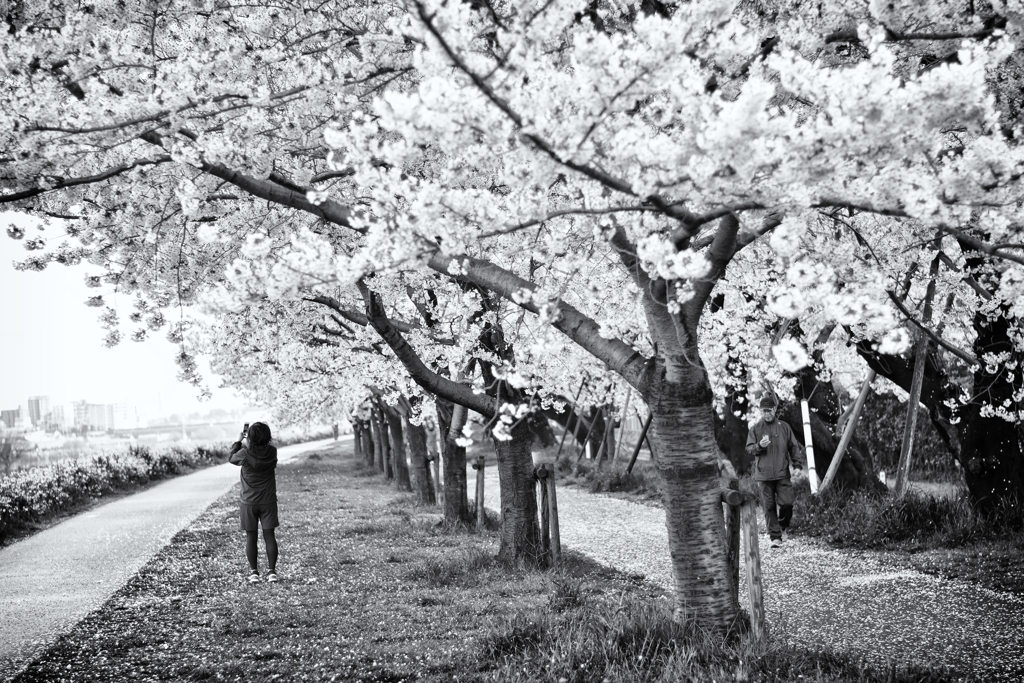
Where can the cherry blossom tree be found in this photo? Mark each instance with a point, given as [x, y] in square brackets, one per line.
[604, 168]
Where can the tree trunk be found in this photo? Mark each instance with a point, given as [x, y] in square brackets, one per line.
[422, 482]
[684, 436]
[987, 446]
[399, 463]
[367, 438]
[456, 496]
[520, 535]
[378, 442]
[990, 446]
[357, 443]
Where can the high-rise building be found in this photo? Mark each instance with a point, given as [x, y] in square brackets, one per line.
[11, 418]
[38, 410]
[94, 416]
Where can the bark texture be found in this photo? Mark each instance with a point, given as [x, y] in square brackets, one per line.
[400, 464]
[684, 436]
[456, 499]
[520, 534]
[422, 482]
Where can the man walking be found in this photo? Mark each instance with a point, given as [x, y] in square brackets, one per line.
[774, 448]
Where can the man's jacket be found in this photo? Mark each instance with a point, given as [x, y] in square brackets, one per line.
[259, 485]
[772, 462]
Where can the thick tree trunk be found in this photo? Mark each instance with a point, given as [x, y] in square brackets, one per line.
[990, 446]
[423, 483]
[399, 463]
[456, 500]
[684, 436]
[520, 534]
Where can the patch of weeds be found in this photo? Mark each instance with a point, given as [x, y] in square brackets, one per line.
[566, 593]
[395, 559]
[881, 520]
[462, 568]
[365, 530]
[640, 641]
[434, 601]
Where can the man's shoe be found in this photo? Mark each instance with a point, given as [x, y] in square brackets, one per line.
[254, 576]
[776, 542]
[272, 576]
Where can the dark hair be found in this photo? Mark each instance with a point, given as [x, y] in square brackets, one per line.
[259, 434]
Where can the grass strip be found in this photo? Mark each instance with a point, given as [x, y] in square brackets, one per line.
[374, 590]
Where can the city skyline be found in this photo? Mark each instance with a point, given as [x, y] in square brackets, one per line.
[53, 345]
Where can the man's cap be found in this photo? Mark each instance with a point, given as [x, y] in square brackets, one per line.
[767, 402]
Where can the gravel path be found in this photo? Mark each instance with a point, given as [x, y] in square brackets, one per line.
[51, 580]
[849, 601]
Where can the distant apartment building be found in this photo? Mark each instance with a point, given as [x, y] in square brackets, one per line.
[93, 416]
[38, 410]
[12, 419]
[125, 416]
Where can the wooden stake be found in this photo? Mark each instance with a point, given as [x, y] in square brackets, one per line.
[556, 538]
[833, 467]
[812, 474]
[572, 411]
[752, 555]
[545, 513]
[920, 360]
[622, 422]
[640, 441]
[480, 515]
[732, 531]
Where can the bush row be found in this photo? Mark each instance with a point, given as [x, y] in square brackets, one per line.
[36, 494]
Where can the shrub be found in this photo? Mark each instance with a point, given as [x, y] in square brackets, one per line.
[872, 519]
[36, 494]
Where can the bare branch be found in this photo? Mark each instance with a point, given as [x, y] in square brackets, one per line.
[420, 373]
[615, 353]
[84, 180]
[960, 353]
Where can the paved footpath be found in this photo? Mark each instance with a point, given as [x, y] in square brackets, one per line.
[53, 579]
[851, 601]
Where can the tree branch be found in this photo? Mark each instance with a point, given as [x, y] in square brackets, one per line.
[85, 180]
[420, 373]
[722, 250]
[963, 355]
[616, 354]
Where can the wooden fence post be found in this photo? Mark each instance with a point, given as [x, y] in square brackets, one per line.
[837, 459]
[640, 442]
[622, 423]
[541, 474]
[480, 515]
[752, 555]
[812, 473]
[572, 411]
[556, 538]
[733, 499]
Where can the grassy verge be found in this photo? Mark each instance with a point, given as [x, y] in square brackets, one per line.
[374, 590]
[943, 536]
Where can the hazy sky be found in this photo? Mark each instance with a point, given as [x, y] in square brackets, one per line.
[51, 344]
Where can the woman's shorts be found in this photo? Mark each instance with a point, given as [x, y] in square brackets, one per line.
[265, 514]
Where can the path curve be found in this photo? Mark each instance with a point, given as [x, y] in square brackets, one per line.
[851, 601]
[52, 579]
